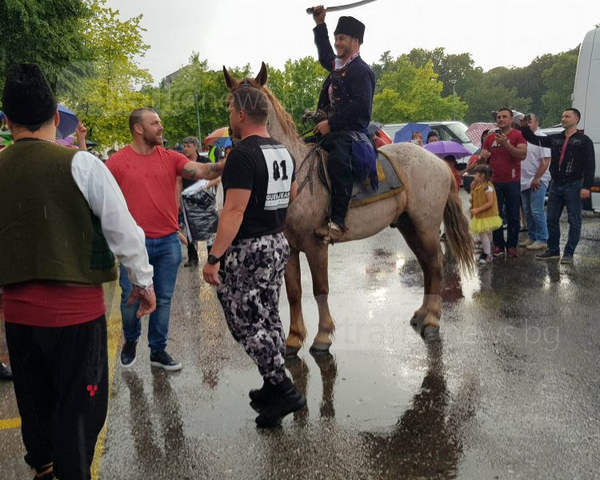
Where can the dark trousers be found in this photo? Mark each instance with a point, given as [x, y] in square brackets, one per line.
[509, 200]
[339, 166]
[251, 278]
[564, 195]
[192, 252]
[61, 385]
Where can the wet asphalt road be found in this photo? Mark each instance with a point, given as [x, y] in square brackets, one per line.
[512, 391]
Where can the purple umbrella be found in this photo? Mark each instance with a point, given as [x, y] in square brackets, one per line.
[445, 148]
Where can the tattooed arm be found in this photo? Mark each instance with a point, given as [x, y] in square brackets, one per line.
[197, 171]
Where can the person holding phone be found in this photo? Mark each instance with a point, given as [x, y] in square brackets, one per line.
[504, 150]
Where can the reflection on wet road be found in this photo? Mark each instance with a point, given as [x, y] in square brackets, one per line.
[510, 392]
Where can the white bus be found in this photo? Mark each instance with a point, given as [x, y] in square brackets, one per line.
[586, 98]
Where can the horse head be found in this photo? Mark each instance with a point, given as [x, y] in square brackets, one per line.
[234, 85]
[280, 123]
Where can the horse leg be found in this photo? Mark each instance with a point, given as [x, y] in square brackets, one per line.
[293, 287]
[426, 248]
[317, 256]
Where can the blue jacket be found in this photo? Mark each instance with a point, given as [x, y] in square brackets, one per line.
[354, 88]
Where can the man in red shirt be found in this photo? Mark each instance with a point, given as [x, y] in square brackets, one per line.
[505, 149]
[147, 174]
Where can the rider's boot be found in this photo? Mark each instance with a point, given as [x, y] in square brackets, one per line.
[330, 230]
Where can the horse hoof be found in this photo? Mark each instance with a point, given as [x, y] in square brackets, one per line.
[431, 334]
[320, 347]
[291, 351]
[417, 320]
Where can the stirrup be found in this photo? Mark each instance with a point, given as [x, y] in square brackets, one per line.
[330, 233]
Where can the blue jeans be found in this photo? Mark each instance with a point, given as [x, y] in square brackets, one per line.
[533, 206]
[564, 195]
[165, 256]
[509, 198]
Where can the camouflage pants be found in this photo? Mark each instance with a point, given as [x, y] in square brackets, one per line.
[249, 293]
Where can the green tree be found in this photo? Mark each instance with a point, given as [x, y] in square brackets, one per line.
[411, 93]
[559, 81]
[297, 86]
[458, 68]
[487, 96]
[194, 84]
[46, 32]
[109, 89]
[385, 62]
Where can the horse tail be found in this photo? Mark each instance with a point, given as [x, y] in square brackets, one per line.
[458, 236]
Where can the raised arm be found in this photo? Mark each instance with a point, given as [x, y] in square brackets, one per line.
[536, 139]
[326, 54]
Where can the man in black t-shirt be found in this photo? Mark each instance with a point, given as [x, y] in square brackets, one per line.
[259, 183]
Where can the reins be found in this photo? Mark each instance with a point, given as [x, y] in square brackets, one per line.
[309, 175]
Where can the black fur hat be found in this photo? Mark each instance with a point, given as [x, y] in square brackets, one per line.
[27, 98]
[352, 27]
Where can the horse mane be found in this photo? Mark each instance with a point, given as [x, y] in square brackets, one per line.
[285, 119]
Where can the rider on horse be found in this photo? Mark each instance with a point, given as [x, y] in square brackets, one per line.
[347, 99]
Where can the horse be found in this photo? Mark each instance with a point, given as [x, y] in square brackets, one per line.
[430, 196]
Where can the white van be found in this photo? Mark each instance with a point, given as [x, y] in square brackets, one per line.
[586, 99]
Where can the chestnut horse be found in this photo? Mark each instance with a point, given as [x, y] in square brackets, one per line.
[429, 197]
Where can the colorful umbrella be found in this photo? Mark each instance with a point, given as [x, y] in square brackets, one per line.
[66, 142]
[476, 129]
[222, 132]
[68, 122]
[406, 133]
[445, 148]
[223, 142]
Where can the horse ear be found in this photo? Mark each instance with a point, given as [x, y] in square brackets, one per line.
[229, 80]
[261, 78]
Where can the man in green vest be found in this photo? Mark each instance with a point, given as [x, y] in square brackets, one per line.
[63, 220]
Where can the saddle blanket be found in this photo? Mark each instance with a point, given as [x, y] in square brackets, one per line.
[390, 184]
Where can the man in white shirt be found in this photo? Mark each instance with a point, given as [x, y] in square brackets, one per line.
[63, 217]
[535, 178]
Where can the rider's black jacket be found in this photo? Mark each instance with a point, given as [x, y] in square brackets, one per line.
[353, 88]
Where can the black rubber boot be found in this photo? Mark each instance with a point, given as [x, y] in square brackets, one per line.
[285, 399]
[260, 397]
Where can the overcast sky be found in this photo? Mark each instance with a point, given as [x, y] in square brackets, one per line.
[236, 32]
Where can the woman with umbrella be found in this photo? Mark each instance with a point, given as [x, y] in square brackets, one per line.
[449, 152]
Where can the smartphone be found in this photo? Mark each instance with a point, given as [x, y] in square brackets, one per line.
[497, 132]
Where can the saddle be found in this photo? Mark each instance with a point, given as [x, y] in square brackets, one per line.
[390, 181]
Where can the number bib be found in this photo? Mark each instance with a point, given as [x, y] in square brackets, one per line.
[279, 165]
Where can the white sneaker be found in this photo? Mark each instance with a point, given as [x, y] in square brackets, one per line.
[526, 243]
[537, 246]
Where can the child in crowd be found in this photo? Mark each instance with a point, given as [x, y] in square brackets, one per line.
[417, 139]
[450, 160]
[484, 210]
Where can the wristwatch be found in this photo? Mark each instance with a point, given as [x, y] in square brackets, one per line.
[212, 260]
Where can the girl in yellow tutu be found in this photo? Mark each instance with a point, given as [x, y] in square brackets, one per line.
[484, 210]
